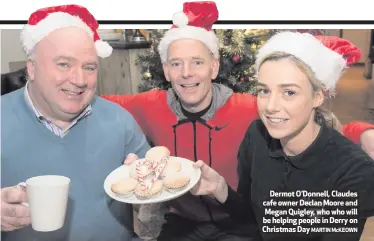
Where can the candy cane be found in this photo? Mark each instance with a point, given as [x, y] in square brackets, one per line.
[142, 183]
[158, 170]
[144, 162]
[140, 177]
[141, 162]
[157, 163]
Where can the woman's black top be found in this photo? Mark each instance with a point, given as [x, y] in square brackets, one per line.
[303, 183]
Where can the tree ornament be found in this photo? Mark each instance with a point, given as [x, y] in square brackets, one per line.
[236, 58]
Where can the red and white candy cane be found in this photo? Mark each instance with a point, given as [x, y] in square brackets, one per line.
[141, 182]
[144, 162]
[160, 167]
[155, 164]
[139, 175]
[158, 170]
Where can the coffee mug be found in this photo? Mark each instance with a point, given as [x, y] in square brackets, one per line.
[47, 198]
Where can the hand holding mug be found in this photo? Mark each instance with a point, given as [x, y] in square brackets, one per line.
[14, 215]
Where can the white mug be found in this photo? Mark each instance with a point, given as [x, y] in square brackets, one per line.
[47, 198]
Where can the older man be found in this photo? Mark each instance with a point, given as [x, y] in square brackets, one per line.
[56, 125]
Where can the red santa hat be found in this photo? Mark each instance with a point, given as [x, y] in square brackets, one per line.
[327, 56]
[46, 20]
[195, 22]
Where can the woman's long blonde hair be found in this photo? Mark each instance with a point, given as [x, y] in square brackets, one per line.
[322, 111]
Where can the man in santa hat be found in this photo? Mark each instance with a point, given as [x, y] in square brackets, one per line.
[197, 120]
[56, 125]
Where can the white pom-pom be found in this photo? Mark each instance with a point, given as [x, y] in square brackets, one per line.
[103, 49]
[180, 19]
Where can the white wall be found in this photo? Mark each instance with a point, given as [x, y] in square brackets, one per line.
[11, 48]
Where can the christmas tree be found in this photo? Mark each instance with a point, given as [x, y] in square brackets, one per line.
[238, 48]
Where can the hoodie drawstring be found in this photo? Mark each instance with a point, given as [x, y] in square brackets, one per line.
[203, 122]
[180, 122]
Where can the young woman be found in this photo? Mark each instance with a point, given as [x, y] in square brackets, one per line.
[295, 155]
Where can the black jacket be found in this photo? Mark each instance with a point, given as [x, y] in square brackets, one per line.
[331, 163]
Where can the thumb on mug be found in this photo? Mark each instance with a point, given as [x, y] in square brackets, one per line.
[13, 194]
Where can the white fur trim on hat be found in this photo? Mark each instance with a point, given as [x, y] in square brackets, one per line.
[32, 34]
[103, 49]
[326, 64]
[180, 19]
[189, 32]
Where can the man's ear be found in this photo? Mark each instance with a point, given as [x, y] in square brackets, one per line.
[319, 98]
[165, 67]
[30, 65]
[215, 68]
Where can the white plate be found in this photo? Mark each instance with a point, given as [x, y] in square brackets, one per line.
[124, 171]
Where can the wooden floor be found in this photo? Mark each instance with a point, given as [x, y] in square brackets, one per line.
[355, 101]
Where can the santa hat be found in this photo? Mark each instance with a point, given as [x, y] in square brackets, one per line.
[46, 20]
[195, 22]
[327, 56]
